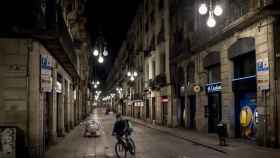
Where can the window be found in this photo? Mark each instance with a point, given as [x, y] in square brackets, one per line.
[162, 63]
[245, 65]
[214, 74]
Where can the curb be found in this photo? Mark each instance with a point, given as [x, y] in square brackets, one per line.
[179, 136]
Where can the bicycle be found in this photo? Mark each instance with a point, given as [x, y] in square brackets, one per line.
[125, 144]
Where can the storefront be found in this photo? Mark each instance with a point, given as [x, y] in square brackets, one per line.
[214, 110]
[164, 110]
[242, 53]
[191, 96]
[213, 89]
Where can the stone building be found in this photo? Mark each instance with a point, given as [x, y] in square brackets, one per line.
[43, 79]
[158, 92]
[227, 73]
[196, 76]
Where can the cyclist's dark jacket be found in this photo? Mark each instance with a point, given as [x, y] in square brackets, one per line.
[120, 127]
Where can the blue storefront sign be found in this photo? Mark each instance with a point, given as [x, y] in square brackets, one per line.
[213, 87]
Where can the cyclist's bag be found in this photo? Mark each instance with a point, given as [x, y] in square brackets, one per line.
[129, 126]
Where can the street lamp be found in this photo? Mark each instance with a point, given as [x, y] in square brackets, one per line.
[217, 11]
[100, 49]
[132, 75]
[95, 84]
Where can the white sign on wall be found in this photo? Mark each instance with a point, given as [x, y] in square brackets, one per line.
[263, 72]
[8, 142]
[46, 73]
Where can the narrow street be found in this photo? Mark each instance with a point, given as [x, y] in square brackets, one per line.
[150, 143]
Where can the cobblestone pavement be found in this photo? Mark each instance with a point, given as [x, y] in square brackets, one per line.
[150, 143]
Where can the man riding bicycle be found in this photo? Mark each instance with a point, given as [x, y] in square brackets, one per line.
[122, 130]
[121, 127]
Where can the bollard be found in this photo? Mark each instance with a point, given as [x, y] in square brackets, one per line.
[222, 133]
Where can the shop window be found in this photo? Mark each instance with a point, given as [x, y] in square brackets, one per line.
[214, 74]
[245, 65]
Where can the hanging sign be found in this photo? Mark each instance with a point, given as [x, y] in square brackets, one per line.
[164, 99]
[46, 73]
[196, 88]
[263, 72]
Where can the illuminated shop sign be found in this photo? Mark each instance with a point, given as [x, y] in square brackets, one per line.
[213, 87]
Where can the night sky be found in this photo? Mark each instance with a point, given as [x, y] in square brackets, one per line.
[112, 18]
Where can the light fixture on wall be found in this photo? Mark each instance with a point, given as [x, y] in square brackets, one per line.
[100, 49]
[217, 11]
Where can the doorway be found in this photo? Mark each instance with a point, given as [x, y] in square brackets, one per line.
[182, 111]
[147, 109]
[245, 109]
[215, 112]
[154, 108]
[192, 106]
[47, 120]
[164, 114]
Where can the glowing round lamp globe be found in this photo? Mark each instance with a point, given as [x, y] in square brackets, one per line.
[105, 53]
[129, 74]
[218, 10]
[211, 22]
[203, 9]
[100, 59]
[95, 52]
[135, 73]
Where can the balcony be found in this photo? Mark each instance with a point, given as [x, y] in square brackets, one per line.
[158, 82]
[62, 46]
[48, 26]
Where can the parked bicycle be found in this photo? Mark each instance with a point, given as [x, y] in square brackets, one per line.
[124, 145]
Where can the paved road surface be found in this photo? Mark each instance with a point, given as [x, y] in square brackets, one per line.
[150, 143]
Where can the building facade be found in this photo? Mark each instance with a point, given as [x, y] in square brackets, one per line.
[44, 74]
[224, 67]
[196, 77]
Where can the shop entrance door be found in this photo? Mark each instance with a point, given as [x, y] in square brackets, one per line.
[245, 111]
[164, 113]
[192, 103]
[182, 119]
[147, 109]
[47, 121]
[154, 108]
[214, 107]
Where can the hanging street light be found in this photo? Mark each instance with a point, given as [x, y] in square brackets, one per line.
[100, 59]
[217, 11]
[95, 84]
[100, 49]
[132, 75]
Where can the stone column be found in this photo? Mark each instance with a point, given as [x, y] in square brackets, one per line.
[228, 105]
[35, 110]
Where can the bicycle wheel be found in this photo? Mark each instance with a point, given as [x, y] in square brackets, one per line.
[120, 150]
[131, 146]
